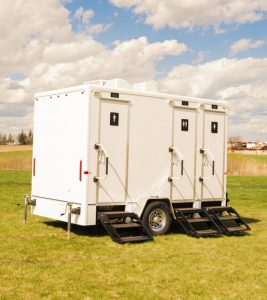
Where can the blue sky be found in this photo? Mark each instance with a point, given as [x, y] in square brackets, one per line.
[126, 25]
[214, 49]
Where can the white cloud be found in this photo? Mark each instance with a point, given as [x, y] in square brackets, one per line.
[26, 28]
[200, 57]
[39, 43]
[128, 59]
[84, 15]
[189, 14]
[66, 1]
[241, 82]
[98, 28]
[244, 45]
[40, 46]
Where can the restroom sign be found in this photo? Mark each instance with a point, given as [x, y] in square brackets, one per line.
[114, 119]
[184, 124]
[214, 127]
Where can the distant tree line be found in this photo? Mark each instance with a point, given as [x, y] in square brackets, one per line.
[23, 138]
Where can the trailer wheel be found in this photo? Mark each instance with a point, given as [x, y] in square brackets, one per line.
[157, 218]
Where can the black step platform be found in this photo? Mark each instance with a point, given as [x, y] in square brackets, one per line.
[124, 227]
[196, 222]
[228, 219]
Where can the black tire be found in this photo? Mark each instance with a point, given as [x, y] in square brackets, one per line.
[157, 218]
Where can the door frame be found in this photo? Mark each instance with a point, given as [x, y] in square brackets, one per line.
[117, 102]
[184, 108]
[224, 113]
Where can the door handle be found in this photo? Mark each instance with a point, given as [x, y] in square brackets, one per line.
[106, 165]
[203, 151]
[179, 155]
[101, 147]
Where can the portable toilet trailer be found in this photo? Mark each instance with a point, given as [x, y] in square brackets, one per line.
[133, 159]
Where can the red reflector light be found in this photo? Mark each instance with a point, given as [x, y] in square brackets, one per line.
[33, 169]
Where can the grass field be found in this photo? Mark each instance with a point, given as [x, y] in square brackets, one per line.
[247, 164]
[238, 164]
[15, 148]
[16, 160]
[37, 262]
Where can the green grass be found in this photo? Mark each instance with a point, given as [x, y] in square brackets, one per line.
[238, 164]
[37, 262]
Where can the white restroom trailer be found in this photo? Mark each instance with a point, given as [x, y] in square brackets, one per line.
[108, 146]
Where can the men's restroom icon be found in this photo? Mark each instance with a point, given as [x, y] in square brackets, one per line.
[114, 119]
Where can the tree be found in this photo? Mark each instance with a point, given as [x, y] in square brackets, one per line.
[22, 138]
[10, 139]
[233, 141]
[30, 138]
[4, 140]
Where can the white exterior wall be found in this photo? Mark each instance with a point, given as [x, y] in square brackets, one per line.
[68, 127]
[59, 151]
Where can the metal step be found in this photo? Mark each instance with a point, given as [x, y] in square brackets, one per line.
[199, 220]
[206, 232]
[222, 214]
[121, 231]
[217, 207]
[185, 217]
[138, 238]
[189, 210]
[127, 225]
[236, 229]
[227, 218]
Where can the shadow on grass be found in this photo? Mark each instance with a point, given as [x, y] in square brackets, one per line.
[177, 229]
[251, 220]
[97, 230]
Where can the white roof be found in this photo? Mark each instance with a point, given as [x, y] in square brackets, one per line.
[120, 85]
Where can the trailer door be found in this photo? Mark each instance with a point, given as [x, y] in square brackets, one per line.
[113, 152]
[183, 154]
[213, 155]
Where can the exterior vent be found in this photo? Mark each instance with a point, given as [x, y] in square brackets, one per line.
[112, 83]
[118, 84]
[146, 87]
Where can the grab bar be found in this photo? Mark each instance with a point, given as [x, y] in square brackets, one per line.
[97, 147]
[203, 151]
[178, 153]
